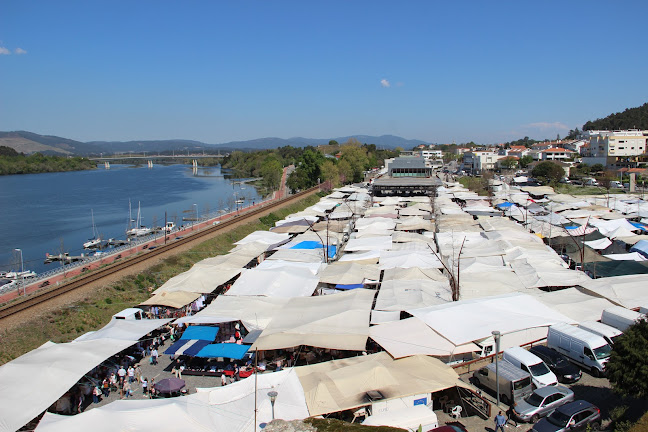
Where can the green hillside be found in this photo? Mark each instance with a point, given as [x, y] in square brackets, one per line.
[631, 118]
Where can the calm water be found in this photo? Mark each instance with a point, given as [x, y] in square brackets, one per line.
[41, 211]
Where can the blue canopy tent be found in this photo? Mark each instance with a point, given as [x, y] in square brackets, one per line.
[311, 244]
[641, 246]
[640, 226]
[193, 340]
[227, 350]
[504, 205]
[348, 286]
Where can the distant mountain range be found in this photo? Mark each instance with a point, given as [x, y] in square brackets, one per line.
[28, 142]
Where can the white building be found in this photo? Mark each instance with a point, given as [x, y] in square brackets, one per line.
[617, 148]
[432, 154]
[477, 161]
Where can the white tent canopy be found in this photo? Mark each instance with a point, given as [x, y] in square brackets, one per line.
[412, 336]
[283, 282]
[339, 321]
[369, 244]
[348, 273]
[407, 259]
[266, 237]
[342, 384]
[34, 381]
[506, 313]
[600, 244]
[574, 303]
[217, 409]
[126, 330]
[628, 291]
[400, 295]
[408, 417]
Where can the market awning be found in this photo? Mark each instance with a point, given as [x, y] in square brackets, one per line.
[193, 340]
[227, 350]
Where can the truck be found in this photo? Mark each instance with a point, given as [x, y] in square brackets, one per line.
[609, 333]
[514, 383]
[586, 349]
[620, 317]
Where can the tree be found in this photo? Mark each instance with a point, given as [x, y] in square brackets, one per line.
[627, 368]
[333, 143]
[525, 161]
[509, 162]
[548, 171]
[597, 168]
[330, 173]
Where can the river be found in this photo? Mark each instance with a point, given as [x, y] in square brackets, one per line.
[52, 212]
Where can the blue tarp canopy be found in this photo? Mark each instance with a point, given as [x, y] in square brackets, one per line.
[505, 204]
[640, 226]
[227, 350]
[194, 338]
[641, 246]
[349, 286]
[200, 332]
[311, 244]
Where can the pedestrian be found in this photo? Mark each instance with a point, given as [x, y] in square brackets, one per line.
[113, 381]
[510, 414]
[121, 373]
[105, 387]
[96, 393]
[131, 374]
[224, 381]
[175, 371]
[500, 421]
[145, 386]
[154, 355]
[138, 372]
[152, 387]
[127, 388]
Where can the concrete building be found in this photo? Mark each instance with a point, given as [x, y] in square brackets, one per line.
[432, 154]
[554, 153]
[478, 161]
[617, 149]
[409, 167]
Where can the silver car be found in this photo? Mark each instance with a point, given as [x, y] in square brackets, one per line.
[541, 402]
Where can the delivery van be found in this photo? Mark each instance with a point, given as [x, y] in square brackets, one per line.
[514, 383]
[620, 317]
[580, 346]
[541, 375]
[609, 333]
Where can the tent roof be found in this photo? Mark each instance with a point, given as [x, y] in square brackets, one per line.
[507, 313]
[412, 336]
[400, 295]
[122, 329]
[410, 417]
[173, 299]
[628, 291]
[611, 268]
[349, 273]
[369, 244]
[338, 321]
[34, 381]
[199, 279]
[343, 384]
[574, 303]
[406, 259]
[291, 282]
[413, 273]
[266, 237]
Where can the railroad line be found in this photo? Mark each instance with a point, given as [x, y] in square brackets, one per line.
[44, 295]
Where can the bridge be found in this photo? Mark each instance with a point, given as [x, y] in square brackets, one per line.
[144, 157]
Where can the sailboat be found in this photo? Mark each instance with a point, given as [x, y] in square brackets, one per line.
[95, 241]
[139, 230]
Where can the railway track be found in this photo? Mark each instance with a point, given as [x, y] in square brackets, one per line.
[96, 275]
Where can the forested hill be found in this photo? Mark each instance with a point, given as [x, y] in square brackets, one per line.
[631, 118]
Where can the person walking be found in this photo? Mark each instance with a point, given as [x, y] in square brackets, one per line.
[127, 388]
[122, 374]
[145, 386]
[510, 414]
[131, 374]
[154, 355]
[500, 421]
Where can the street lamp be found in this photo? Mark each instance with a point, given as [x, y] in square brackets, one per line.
[496, 336]
[22, 271]
[273, 397]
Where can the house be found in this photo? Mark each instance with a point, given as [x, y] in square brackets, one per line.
[617, 149]
[479, 160]
[555, 153]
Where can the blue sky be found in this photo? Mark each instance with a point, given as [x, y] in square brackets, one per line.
[218, 71]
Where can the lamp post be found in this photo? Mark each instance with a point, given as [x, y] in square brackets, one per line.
[22, 271]
[496, 336]
[273, 397]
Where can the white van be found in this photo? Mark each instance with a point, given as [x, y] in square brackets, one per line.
[580, 346]
[129, 314]
[607, 332]
[541, 375]
[620, 317]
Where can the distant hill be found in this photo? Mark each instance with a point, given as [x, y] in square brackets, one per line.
[631, 118]
[28, 142]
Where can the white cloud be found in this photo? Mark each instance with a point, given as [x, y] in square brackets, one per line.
[4, 51]
[20, 51]
[385, 83]
[547, 125]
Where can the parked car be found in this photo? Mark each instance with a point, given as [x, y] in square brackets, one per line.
[541, 402]
[615, 184]
[572, 417]
[558, 363]
[590, 182]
